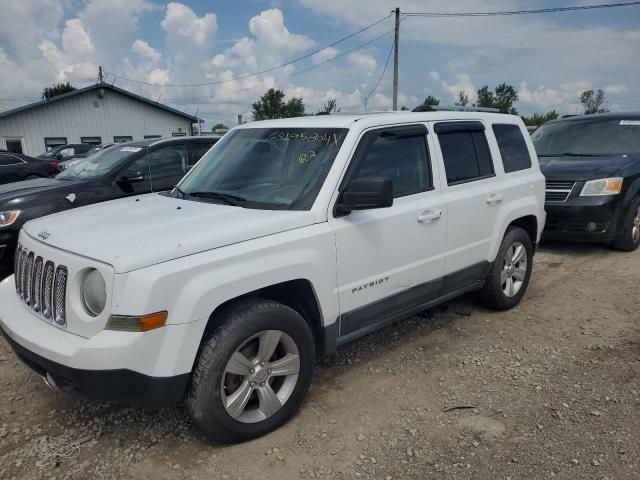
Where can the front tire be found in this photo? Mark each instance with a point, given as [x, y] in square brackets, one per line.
[509, 276]
[629, 238]
[253, 371]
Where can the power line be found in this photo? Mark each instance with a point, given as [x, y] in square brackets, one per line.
[267, 70]
[366, 98]
[520, 12]
[300, 72]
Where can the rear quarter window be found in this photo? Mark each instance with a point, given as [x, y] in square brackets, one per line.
[513, 148]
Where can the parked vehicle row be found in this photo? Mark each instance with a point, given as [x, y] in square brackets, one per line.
[123, 170]
[289, 238]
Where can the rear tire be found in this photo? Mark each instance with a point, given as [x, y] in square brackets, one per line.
[509, 276]
[253, 371]
[629, 238]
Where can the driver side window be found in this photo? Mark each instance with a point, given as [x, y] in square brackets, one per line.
[165, 162]
[399, 156]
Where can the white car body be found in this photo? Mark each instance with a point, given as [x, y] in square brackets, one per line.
[158, 253]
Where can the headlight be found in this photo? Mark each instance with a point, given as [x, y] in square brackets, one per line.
[7, 218]
[602, 186]
[93, 292]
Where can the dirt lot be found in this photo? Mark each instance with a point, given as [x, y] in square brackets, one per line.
[553, 388]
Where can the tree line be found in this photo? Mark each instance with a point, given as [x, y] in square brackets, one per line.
[272, 103]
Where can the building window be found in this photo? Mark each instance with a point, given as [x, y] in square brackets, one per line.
[178, 134]
[53, 142]
[14, 145]
[122, 138]
[91, 140]
[152, 136]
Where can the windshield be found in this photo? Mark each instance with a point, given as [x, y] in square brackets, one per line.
[99, 164]
[53, 152]
[266, 167]
[588, 137]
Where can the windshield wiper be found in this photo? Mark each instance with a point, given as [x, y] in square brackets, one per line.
[228, 198]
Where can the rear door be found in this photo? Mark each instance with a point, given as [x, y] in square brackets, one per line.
[390, 259]
[473, 194]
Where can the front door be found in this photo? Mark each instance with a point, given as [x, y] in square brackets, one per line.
[157, 171]
[390, 259]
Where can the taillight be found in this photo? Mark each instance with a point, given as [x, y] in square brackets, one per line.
[54, 164]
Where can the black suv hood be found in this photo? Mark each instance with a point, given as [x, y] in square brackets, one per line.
[588, 168]
[30, 191]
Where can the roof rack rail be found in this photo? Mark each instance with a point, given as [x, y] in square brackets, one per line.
[456, 108]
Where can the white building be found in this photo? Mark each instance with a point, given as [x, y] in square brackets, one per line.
[100, 113]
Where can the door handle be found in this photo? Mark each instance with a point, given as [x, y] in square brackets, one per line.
[494, 198]
[429, 216]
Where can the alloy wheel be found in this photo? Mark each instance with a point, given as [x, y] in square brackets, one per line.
[514, 269]
[260, 376]
[635, 230]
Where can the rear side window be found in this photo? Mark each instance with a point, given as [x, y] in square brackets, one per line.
[513, 148]
[198, 150]
[466, 155]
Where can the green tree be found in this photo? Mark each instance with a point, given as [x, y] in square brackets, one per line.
[431, 100]
[57, 89]
[539, 119]
[404, 108]
[272, 105]
[592, 101]
[463, 99]
[219, 126]
[331, 106]
[503, 98]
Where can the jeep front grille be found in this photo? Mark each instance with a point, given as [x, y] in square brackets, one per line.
[41, 285]
[558, 191]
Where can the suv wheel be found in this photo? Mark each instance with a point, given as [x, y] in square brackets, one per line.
[253, 371]
[510, 273]
[629, 237]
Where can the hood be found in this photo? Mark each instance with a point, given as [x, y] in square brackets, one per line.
[586, 168]
[137, 232]
[29, 190]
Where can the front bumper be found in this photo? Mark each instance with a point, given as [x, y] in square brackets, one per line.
[150, 369]
[594, 219]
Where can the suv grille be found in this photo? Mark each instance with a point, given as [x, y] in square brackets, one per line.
[41, 285]
[558, 190]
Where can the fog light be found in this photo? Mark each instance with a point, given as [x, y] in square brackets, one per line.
[591, 227]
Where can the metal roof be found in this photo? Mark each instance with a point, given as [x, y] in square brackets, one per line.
[97, 86]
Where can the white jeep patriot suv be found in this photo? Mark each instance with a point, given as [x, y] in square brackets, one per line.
[287, 239]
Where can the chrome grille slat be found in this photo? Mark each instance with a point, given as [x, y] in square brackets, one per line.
[558, 190]
[28, 278]
[16, 268]
[23, 272]
[59, 293]
[47, 290]
[36, 285]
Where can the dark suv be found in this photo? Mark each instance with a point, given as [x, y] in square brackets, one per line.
[122, 170]
[592, 169]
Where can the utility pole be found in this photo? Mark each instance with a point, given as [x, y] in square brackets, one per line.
[395, 60]
[100, 76]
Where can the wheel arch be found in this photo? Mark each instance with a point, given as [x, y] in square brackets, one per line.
[526, 214]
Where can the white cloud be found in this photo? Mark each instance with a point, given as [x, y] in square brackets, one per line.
[182, 21]
[615, 89]
[75, 39]
[435, 76]
[324, 55]
[145, 51]
[463, 84]
[362, 61]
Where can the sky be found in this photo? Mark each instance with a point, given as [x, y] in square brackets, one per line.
[549, 58]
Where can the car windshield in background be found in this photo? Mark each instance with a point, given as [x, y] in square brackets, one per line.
[588, 137]
[100, 163]
[266, 167]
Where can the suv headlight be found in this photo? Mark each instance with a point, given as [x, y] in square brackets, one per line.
[93, 292]
[602, 186]
[7, 218]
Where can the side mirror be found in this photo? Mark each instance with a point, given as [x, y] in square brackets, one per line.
[132, 176]
[366, 193]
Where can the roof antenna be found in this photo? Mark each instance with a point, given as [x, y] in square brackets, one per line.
[100, 76]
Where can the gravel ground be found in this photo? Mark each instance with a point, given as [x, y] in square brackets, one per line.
[550, 389]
